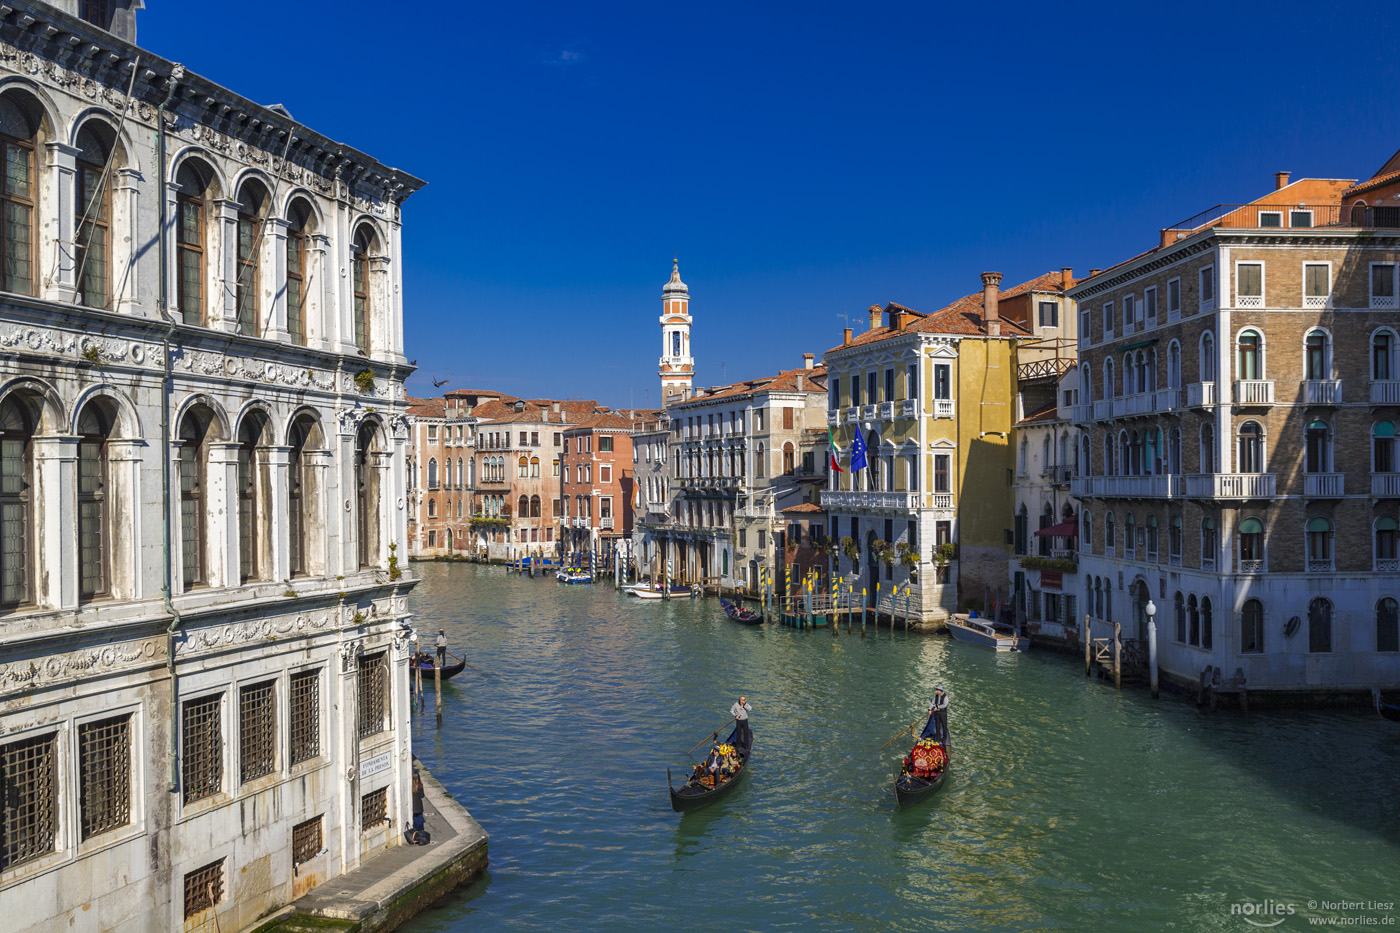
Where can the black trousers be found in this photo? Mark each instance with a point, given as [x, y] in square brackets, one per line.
[940, 725]
[442, 657]
[742, 734]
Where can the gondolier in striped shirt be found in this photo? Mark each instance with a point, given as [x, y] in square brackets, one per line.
[742, 734]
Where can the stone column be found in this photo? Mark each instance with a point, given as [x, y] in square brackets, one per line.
[221, 258]
[124, 459]
[221, 530]
[318, 317]
[273, 265]
[126, 206]
[55, 270]
[324, 523]
[277, 523]
[379, 332]
[55, 519]
[381, 462]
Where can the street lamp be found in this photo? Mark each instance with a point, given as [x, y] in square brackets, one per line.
[1151, 610]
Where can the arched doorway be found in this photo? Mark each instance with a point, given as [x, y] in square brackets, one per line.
[1141, 597]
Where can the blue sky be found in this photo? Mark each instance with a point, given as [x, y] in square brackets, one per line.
[805, 161]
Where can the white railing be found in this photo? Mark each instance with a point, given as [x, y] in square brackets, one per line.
[1384, 301]
[1208, 564]
[1385, 391]
[1319, 566]
[1079, 414]
[887, 411]
[944, 407]
[1387, 565]
[606, 523]
[1385, 485]
[1168, 399]
[1322, 391]
[1086, 486]
[1155, 486]
[1144, 403]
[1103, 408]
[1323, 485]
[850, 415]
[851, 499]
[1199, 394]
[1254, 391]
[833, 416]
[1063, 474]
[1249, 301]
[1228, 485]
[943, 501]
[1251, 566]
[580, 522]
[1174, 560]
[867, 412]
[1316, 301]
[907, 408]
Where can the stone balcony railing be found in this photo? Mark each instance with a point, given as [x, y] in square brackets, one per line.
[857, 500]
[1252, 566]
[942, 501]
[869, 412]
[1228, 485]
[1103, 409]
[606, 523]
[1323, 485]
[1321, 391]
[1061, 474]
[1385, 485]
[1385, 391]
[944, 407]
[1168, 399]
[907, 408]
[1200, 394]
[833, 416]
[1080, 414]
[1254, 391]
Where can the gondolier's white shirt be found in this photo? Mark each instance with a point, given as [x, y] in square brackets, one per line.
[740, 713]
[938, 702]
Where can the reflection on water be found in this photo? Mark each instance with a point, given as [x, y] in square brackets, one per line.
[1069, 806]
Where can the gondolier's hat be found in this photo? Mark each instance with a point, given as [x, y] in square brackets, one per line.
[939, 689]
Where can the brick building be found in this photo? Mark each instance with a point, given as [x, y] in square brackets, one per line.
[596, 512]
[440, 472]
[1238, 404]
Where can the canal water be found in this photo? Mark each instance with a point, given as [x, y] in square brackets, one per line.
[1069, 806]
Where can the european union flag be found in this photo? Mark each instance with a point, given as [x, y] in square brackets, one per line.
[858, 451]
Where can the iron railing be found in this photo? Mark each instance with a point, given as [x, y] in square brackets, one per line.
[257, 731]
[28, 809]
[104, 760]
[305, 716]
[1298, 216]
[202, 773]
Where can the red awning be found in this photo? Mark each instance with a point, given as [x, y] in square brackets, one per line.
[1066, 529]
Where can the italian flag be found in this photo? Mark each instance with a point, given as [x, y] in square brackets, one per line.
[835, 461]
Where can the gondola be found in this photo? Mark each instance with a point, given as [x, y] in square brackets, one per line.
[427, 663]
[740, 614]
[697, 791]
[923, 770]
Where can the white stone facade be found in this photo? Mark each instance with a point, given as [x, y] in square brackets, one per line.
[165, 754]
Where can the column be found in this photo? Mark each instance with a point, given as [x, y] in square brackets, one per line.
[381, 462]
[277, 551]
[273, 266]
[124, 459]
[55, 271]
[126, 280]
[55, 517]
[221, 258]
[318, 318]
[221, 499]
[381, 310]
[324, 525]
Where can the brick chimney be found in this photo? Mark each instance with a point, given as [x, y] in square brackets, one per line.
[846, 338]
[799, 382]
[807, 359]
[1280, 180]
[1094, 272]
[991, 282]
[1066, 276]
[876, 313]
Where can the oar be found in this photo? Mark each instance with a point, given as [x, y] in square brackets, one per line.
[464, 661]
[713, 735]
[900, 732]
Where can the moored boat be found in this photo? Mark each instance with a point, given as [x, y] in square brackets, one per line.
[995, 635]
[655, 591]
[740, 614]
[573, 575]
[702, 787]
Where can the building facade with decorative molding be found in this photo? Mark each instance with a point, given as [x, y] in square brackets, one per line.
[203, 648]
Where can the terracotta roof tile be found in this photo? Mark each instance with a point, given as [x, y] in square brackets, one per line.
[1042, 416]
[804, 508]
[963, 317]
[784, 381]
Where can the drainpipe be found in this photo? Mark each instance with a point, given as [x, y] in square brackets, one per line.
[167, 378]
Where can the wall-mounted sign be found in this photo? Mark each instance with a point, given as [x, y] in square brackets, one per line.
[369, 767]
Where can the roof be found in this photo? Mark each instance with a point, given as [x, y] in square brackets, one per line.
[1051, 413]
[427, 407]
[964, 317]
[532, 411]
[805, 508]
[603, 421]
[1387, 173]
[784, 381]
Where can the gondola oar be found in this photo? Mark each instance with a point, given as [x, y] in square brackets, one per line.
[900, 732]
[464, 661]
[714, 735]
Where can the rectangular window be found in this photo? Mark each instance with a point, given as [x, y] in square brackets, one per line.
[306, 841]
[1249, 285]
[104, 764]
[92, 525]
[1383, 289]
[372, 694]
[1317, 284]
[1049, 314]
[202, 752]
[942, 381]
[432, 433]
[762, 539]
[1174, 297]
[204, 888]
[1271, 218]
[1129, 310]
[374, 808]
[889, 385]
[871, 388]
[855, 391]
[787, 419]
[911, 381]
[1108, 320]
[604, 473]
[1085, 321]
[305, 712]
[605, 444]
[29, 808]
[522, 438]
[1149, 300]
[940, 472]
[432, 539]
[758, 420]
[743, 537]
[1207, 278]
[942, 533]
[833, 393]
[1300, 218]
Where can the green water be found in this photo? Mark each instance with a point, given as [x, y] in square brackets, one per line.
[1070, 806]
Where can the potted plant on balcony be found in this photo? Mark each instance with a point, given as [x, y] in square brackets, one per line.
[945, 553]
[850, 549]
[908, 558]
[883, 552]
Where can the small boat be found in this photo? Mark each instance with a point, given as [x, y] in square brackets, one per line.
[573, 575]
[653, 591]
[701, 788]
[922, 772]
[998, 636]
[1389, 711]
[426, 663]
[531, 563]
[740, 614]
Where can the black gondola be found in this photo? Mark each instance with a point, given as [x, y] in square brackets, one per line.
[1389, 711]
[427, 663]
[924, 769]
[696, 792]
[740, 614]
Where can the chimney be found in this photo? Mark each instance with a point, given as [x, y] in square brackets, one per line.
[799, 382]
[846, 339]
[1280, 180]
[1094, 272]
[554, 406]
[1066, 276]
[990, 283]
[876, 312]
[807, 359]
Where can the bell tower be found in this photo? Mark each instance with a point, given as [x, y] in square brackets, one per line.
[677, 366]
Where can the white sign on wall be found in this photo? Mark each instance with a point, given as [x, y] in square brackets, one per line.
[369, 767]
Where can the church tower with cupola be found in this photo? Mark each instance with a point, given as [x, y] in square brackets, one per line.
[677, 366]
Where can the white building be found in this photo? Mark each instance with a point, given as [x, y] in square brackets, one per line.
[203, 699]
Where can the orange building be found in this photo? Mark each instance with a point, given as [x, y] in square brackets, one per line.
[597, 484]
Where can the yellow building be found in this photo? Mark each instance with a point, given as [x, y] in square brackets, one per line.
[933, 396]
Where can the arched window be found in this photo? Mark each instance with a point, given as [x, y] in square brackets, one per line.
[523, 466]
[1208, 543]
[1319, 544]
[789, 457]
[92, 207]
[252, 211]
[1383, 361]
[1249, 355]
[1086, 461]
[302, 435]
[1251, 545]
[18, 195]
[1318, 448]
[1152, 537]
[535, 467]
[1108, 387]
[1023, 466]
[18, 424]
[461, 473]
[359, 280]
[1387, 625]
[298, 223]
[759, 461]
[1383, 447]
[94, 511]
[1316, 358]
[1125, 459]
[1179, 605]
[1320, 626]
[522, 509]
[1087, 520]
[1086, 382]
[193, 458]
[1252, 627]
[193, 189]
[1174, 365]
[432, 473]
[1174, 539]
[432, 508]
[1108, 459]
[1193, 620]
[1385, 539]
[1251, 448]
[1128, 375]
[252, 514]
[534, 506]
[1207, 623]
[1108, 533]
[367, 496]
[1207, 357]
[1174, 451]
[1207, 447]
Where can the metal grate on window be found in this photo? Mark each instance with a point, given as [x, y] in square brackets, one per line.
[372, 694]
[28, 799]
[104, 760]
[306, 716]
[204, 888]
[374, 808]
[203, 765]
[306, 841]
[257, 731]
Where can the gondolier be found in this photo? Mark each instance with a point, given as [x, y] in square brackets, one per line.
[740, 711]
[937, 728]
[442, 647]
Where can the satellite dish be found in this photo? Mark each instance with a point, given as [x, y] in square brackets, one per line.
[1290, 627]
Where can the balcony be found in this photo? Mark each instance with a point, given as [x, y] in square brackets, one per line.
[850, 415]
[943, 501]
[1079, 414]
[907, 408]
[606, 523]
[1168, 399]
[1086, 486]
[1151, 486]
[1254, 391]
[1387, 565]
[1208, 564]
[1200, 394]
[1385, 391]
[1322, 391]
[857, 500]
[1251, 566]
[869, 412]
[886, 411]
[1103, 409]
[1061, 475]
[1143, 403]
[944, 407]
[1320, 566]
[1323, 485]
[833, 416]
[1385, 485]
[581, 522]
[1228, 485]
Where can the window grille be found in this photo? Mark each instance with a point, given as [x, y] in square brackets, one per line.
[28, 799]
[257, 731]
[203, 766]
[374, 808]
[204, 888]
[306, 715]
[104, 761]
[372, 695]
[306, 841]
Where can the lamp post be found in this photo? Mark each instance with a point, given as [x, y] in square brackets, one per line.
[1151, 610]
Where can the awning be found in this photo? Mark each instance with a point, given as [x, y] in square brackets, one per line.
[1068, 529]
